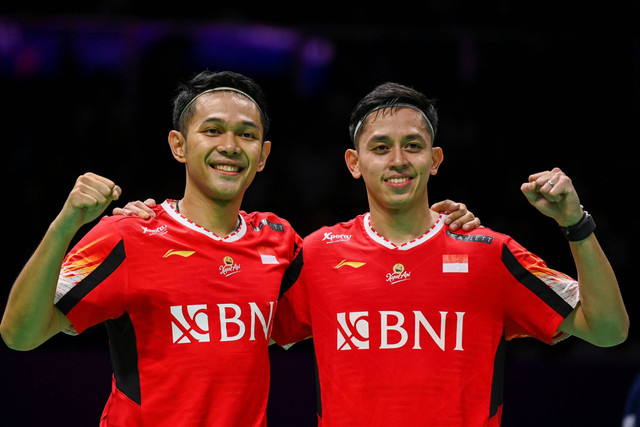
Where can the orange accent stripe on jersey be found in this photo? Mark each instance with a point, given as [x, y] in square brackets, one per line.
[82, 266]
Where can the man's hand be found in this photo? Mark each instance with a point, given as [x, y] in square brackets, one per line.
[553, 194]
[89, 197]
[457, 215]
[141, 209]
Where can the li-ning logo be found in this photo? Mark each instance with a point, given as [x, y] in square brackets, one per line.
[185, 254]
[398, 274]
[354, 264]
[158, 231]
[229, 267]
[334, 238]
[190, 323]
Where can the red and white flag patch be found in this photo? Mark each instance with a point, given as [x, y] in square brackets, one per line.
[267, 255]
[455, 263]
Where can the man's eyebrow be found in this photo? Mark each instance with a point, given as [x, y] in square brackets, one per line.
[415, 136]
[379, 138]
[385, 137]
[246, 123]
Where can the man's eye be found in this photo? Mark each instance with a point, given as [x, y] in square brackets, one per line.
[379, 148]
[212, 131]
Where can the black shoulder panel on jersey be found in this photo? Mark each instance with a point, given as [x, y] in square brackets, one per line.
[124, 356]
[318, 392]
[535, 285]
[477, 238]
[86, 285]
[497, 383]
[291, 275]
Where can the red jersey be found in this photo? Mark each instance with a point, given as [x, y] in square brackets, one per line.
[189, 314]
[414, 335]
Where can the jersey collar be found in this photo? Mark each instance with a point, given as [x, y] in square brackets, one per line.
[405, 246]
[168, 206]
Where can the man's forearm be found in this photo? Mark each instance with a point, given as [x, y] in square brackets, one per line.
[30, 317]
[600, 299]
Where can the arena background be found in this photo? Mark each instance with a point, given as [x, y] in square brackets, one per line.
[521, 88]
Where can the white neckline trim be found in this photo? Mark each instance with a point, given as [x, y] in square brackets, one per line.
[236, 235]
[405, 246]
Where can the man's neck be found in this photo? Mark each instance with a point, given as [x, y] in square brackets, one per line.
[402, 225]
[219, 217]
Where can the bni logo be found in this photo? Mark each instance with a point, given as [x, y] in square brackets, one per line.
[190, 323]
[353, 330]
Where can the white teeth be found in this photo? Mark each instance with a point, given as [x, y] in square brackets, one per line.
[397, 180]
[227, 168]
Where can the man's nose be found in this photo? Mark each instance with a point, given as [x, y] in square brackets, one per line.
[228, 144]
[398, 158]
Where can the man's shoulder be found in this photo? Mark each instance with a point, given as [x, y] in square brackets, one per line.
[340, 231]
[258, 220]
[127, 225]
[477, 235]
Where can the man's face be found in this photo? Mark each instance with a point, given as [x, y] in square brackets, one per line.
[223, 150]
[395, 158]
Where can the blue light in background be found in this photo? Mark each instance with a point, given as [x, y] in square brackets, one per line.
[47, 49]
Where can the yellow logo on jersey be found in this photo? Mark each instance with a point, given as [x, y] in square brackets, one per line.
[354, 264]
[184, 254]
[398, 268]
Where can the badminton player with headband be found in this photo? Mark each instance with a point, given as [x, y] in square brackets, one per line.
[410, 318]
[189, 296]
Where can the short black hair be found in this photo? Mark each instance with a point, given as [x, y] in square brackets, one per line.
[206, 80]
[390, 94]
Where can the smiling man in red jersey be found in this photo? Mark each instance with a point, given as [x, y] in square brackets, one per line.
[189, 296]
[409, 317]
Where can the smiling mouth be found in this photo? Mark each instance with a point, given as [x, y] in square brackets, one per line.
[227, 168]
[399, 180]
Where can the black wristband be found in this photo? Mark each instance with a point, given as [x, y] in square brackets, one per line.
[581, 230]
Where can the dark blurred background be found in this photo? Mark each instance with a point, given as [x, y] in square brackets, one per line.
[522, 87]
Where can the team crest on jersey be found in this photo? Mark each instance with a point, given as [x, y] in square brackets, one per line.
[398, 274]
[229, 267]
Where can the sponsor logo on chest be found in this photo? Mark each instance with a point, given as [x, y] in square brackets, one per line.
[395, 329]
[332, 237]
[160, 231]
[229, 267]
[201, 323]
[398, 274]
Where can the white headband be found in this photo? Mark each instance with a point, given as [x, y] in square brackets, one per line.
[399, 104]
[218, 89]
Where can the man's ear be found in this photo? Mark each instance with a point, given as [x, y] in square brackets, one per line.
[177, 145]
[436, 159]
[266, 149]
[351, 158]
